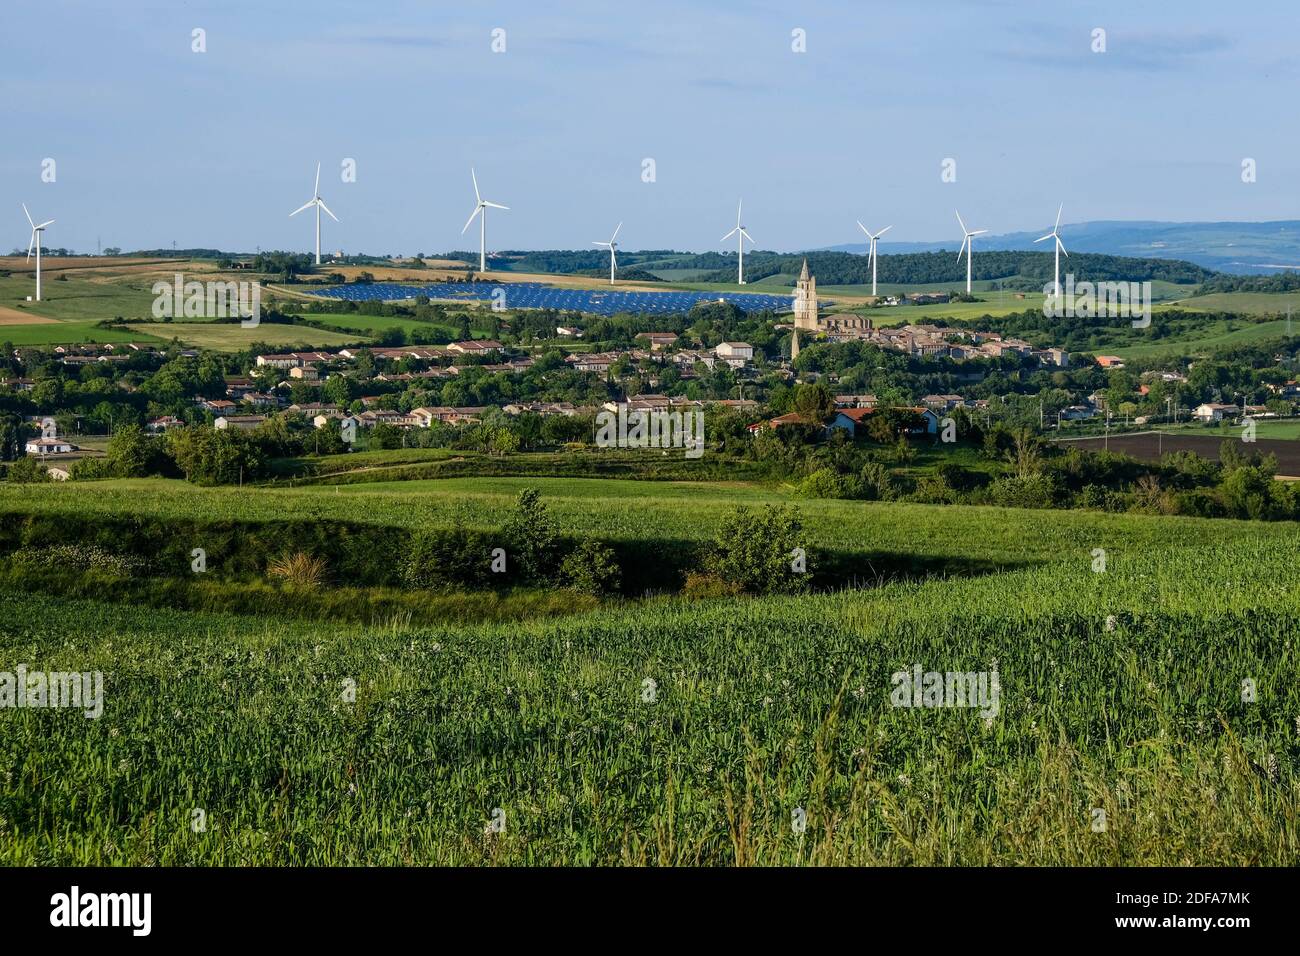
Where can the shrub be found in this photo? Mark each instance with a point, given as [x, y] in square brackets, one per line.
[441, 559]
[754, 551]
[877, 485]
[1027, 491]
[823, 483]
[530, 535]
[28, 471]
[591, 568]
[299, 570]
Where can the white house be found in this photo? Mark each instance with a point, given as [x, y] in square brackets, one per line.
[735, 354]
[1214, 412]
[50, 446]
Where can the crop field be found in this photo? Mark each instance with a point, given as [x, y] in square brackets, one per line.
[684, 732]
[626, 510]
[1150, 446]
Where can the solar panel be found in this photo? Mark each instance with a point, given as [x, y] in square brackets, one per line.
[534, 295]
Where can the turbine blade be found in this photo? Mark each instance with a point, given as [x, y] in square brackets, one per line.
[29, 216]
[30, 245]
[979, 232]
[745, 234]
[316, 189]
[613, 257]
[47, 222]
[477, 210]
[474, 177]
[1058, 217]
[306, 205]
[616, 229]
[1062, 246]
[1045, 238]
[730, 234]
[965, 239]
[596, 243]
[327, 210]
[494, 205]
[739, 203]
[885, 230]
[863, 228]
[964, 230]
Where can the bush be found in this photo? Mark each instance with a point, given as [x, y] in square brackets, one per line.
[877, 485]
[443, 559]
[530, 537]
[28, 471]
[823, 483]
[754, 551]
[591, 568]
[1028, 491]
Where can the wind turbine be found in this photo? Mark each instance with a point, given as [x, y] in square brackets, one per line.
[36, 241]
[967, 246]
[480, 207]
[872, 255]
[319, 204]
[611, 245]
[741, 235]
[1060, 247]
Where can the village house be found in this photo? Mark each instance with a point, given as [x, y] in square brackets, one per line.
[165, 423]
[735, 354]
[238, 422]
[658, 340]
[49, 446]
[1212, 412]
[475, 347]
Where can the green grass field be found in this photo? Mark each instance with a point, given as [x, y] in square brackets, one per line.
[230, 337]
[372, 324]
[1212, 335]
[676, 732]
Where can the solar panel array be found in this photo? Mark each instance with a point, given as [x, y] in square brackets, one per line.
[534, 295]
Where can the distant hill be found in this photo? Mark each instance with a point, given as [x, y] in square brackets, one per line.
[1245, 248]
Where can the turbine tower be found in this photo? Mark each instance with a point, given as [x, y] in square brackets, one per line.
[741, 235]
[872, 255]
[319, 204]
[1060, 247]
[37, 229]
[967, 246]
[480, 207]
[611, 246]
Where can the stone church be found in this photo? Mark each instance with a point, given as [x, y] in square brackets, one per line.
[807, 320]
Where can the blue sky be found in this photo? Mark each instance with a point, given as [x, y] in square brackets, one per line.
[156, 144]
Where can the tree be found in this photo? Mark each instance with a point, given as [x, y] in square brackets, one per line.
[132, 453]
[814, 403]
